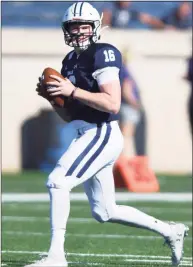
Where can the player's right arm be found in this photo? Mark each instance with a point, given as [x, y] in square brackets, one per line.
[107, 64]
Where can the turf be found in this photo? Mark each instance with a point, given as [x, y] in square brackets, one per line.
[34, 182]
[25, 230]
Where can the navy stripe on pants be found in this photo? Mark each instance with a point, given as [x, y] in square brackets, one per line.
[84, 153]
[97, 152]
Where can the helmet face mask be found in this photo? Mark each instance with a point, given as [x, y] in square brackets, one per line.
[79, 39]
[80, 14]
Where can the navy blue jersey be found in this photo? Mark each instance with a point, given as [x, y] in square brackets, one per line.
[79, 69]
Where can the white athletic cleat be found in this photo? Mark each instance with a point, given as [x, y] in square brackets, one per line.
[176, 241]
[48, 262]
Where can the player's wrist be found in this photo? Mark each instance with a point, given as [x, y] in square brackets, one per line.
[73, 92]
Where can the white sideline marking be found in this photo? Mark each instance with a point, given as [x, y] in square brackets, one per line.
[35, 219]
[95, 255]
[88, 235]
[78, 220]
[120, 196]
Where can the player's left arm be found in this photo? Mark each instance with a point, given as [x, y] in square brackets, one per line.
[107, 64]
[107, 100]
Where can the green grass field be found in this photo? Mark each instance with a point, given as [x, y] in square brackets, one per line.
[34, 182]
[25, 229]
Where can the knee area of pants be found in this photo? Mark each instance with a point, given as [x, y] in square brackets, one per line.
[100, 215]
[55, 180]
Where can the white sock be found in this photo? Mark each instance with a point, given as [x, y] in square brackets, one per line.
[130, 216]
[59, 212]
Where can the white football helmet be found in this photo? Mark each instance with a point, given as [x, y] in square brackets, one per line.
[81, 13]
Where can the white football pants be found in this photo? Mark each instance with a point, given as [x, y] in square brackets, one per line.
[91, 151]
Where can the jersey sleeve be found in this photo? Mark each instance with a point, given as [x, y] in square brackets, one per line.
[107, 56]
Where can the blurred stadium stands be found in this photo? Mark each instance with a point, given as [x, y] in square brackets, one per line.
[49, 14]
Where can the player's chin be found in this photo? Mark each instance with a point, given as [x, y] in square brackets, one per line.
[83, 39]
[81, 42]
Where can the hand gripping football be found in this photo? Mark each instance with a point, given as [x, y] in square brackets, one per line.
[60, 101]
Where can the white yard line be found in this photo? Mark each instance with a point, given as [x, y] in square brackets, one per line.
[146, 209]
[94, 255]
[126, 236]
[120, 196]
[75, 220]
[183, 263]
[86, 263]
[35, 219]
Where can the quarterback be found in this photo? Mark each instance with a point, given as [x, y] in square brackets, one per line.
[93, 83]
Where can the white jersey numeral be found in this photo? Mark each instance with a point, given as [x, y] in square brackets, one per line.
[109, 55]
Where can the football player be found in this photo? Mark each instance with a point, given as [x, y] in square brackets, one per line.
[93, 71]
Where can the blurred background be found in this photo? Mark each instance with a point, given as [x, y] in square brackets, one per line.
[156, 41]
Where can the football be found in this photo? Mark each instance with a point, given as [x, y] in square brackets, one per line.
[59, 101]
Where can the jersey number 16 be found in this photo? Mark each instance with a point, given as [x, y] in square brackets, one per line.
[109, 55]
